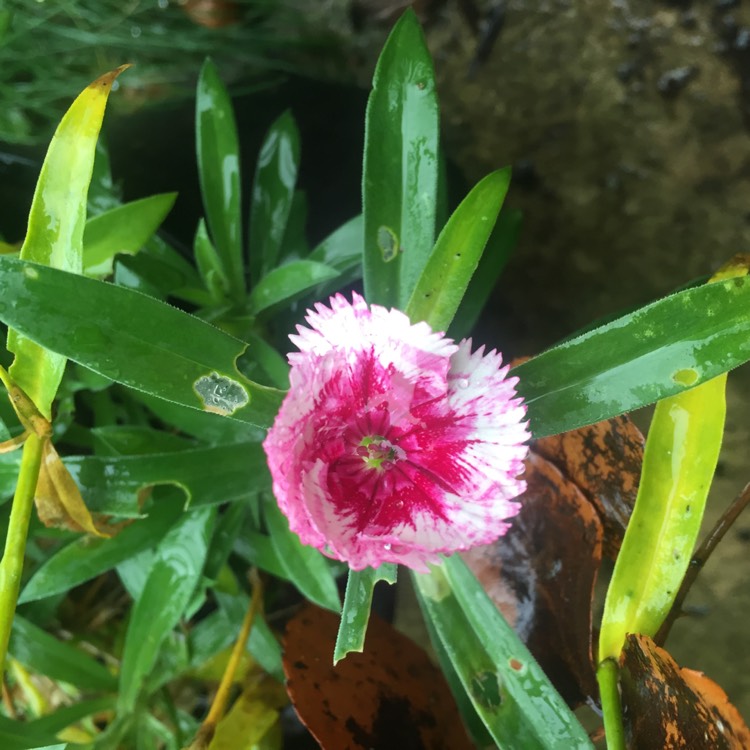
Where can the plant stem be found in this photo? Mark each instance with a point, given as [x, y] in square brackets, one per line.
[219, 706]
[11, 565]
[606, 676]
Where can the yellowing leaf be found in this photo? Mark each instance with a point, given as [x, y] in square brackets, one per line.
[55, 231]
[253, 718]
[58, 499]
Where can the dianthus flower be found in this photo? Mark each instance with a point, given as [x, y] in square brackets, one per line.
[394, 444]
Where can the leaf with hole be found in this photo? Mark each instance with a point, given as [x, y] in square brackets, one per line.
[133, 339]
[400, 171]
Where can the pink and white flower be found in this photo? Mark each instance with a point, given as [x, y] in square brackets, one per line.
[394, 444]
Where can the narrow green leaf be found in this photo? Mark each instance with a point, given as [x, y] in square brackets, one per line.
[263, 363]
[67, 715]
[55, 232]
[295, 245]
[228, 528]
[476, 727]
[9, 465]
[173, 261]
[305, 567]
[219, 172]
[17, 735]
[342, 249]
[208, 476]
[133, 573]
[133, 339]
[273, 195]
[400, 173]
[86, 557]
[356, 611]
[457, 252]
[287, 283]
[506, 686]
[57, 660]
[176, 571]
[103, 193]
[655, 352]
[134, 440]
[500, 245]
[158, 276]
[211, 429]
[679, 461]
[262, 644]
[209, 264]
[124, 229]
[258, 549]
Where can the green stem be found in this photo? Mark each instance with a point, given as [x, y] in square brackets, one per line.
[606, 676]
[11, 565]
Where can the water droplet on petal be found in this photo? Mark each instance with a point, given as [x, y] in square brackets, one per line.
[387, 547]
[463, 383]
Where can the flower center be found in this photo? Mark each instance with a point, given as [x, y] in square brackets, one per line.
[379, 453]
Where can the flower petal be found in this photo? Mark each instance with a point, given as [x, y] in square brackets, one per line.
[394, 444]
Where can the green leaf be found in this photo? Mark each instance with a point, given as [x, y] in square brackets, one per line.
[17, 735]
[209, 264]
[679, 461]
[228, 528]
[133, 339]
[507, 688]
[176, 572]
[650, 354]
[208, 428]
[273, 194]
[356, 611]
[400, 173]
[475, 726]
[258, 549]
[124, 229]
[103, 193]
[262, 362]
[9, 466]
[55, 232]
[219, 172]
[57, 660]
[342, 249]
[457, 252]
[305, 567]
[262, 644]
[135, 440]
[500, 245]
[86, 557]
[67, 715]
[287, 283]
[208, 476]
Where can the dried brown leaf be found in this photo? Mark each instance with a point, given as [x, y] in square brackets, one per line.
[390, 696]
[669, 708]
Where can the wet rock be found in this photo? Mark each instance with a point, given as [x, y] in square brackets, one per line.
[671, 83]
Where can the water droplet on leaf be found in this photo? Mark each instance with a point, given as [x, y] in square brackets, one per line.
[220, 394]
[388, 243]
[685, 377]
